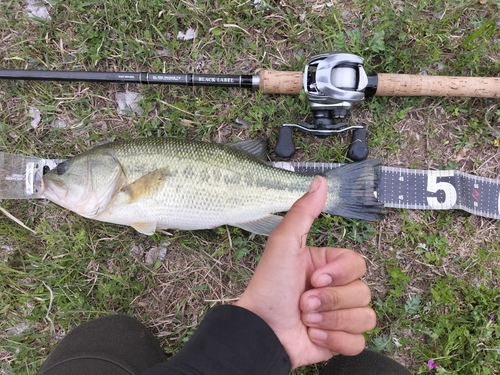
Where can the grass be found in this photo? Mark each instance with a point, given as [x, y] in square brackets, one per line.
[434, 275]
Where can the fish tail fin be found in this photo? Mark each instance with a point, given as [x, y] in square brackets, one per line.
[351, 191]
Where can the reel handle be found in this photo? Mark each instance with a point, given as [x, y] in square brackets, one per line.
[358, 149]
[284, 146]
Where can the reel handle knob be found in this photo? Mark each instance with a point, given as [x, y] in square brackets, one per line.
[284, 146]
[358, 150]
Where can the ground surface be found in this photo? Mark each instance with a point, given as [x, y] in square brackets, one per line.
[434, 275]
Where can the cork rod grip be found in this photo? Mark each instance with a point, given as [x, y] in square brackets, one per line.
[277, 82]
[417, 85]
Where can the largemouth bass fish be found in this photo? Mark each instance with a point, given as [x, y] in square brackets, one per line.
[167, 183]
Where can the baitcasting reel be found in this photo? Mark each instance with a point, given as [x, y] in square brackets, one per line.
[333, 83]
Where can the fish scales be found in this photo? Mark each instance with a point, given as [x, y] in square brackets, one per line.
[167, 183]
[206, 185]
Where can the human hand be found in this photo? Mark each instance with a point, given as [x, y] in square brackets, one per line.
[311, 297]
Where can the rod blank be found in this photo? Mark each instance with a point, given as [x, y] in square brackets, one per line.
[244, 81]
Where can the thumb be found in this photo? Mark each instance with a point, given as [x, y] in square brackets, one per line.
[302, 214]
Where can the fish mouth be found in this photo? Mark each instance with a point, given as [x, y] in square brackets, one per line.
[54, 190]
[82, 201]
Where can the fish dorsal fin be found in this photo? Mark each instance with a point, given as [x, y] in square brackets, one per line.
[145, 228]
[254, 147]
[145, 185]
[262, 226]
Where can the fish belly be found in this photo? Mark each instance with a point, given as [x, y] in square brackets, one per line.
[204, 201]
[193, 185]
[197, 209]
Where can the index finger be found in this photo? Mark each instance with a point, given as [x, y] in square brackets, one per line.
[355, 294]
[335, 267]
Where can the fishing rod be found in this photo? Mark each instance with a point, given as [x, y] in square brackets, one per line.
[333, 84]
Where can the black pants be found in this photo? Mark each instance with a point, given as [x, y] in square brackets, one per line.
[121, 345]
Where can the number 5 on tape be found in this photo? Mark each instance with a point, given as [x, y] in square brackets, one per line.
[441, 181]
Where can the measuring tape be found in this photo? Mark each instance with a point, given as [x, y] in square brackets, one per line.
[417, 189]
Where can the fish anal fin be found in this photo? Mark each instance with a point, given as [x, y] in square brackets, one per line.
[145, 185]
[262, 226]
[148, 227]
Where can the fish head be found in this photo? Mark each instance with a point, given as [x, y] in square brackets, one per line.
[85, 183]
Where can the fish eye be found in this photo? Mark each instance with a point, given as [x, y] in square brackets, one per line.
[62, 167]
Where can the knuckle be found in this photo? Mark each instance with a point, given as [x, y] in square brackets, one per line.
[361, 262]
[346, 344]
[334, 299]
[339, 319]
[371, 319]
[357, 257]
[365, 293]
[357, 346]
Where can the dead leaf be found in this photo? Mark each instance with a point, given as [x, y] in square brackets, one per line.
[37, 9]
[35, 114]
[461, 154]
[128, 101]
[188, 35]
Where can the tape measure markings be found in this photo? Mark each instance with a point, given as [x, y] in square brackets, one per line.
[425, 189]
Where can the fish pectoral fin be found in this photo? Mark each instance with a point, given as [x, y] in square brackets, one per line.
[145, 185]
[145, 227]
[262, 226]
